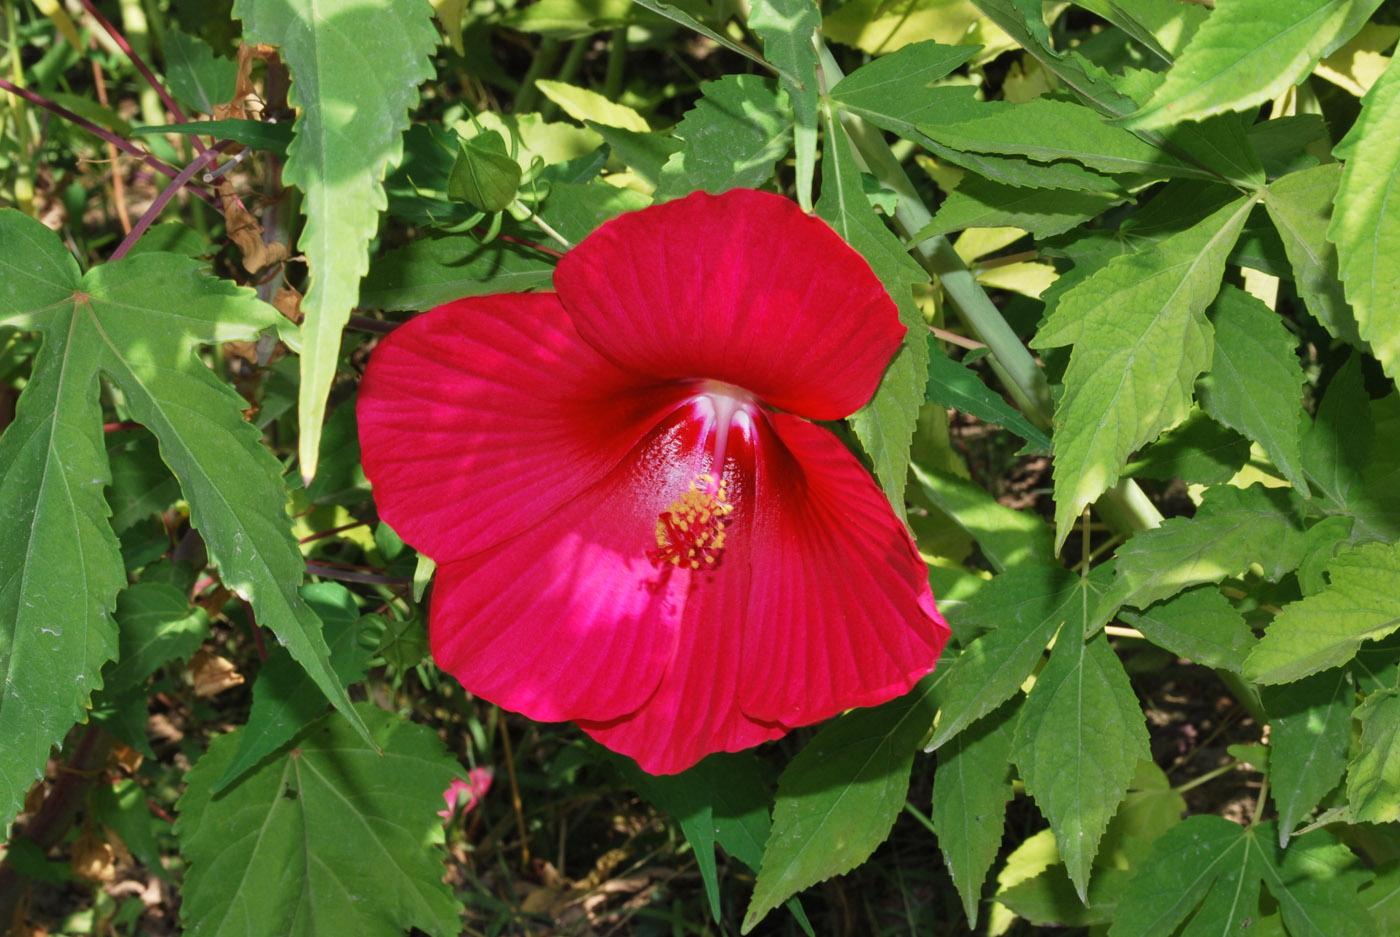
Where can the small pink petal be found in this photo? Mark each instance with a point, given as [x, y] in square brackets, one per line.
[742, 288]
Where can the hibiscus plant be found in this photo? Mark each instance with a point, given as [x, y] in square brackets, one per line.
[943, 449]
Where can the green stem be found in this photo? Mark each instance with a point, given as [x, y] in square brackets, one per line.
[543, 61]
[24, 168]
[136, 31]
[573, 60]
[1127, 508]
[617, 62]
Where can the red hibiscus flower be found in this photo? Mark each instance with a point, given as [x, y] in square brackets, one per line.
[636, 527]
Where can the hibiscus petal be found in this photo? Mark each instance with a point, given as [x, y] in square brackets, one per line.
[820, 603]
[839, 614]
[571, 619]
[742, 288]
[483, 416]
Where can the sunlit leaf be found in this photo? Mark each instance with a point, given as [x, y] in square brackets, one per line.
[982, 203]
[1212, 869]
[1361, 603]
[885, 425]
[737, 131]
[788, 28]
[1373, 777]
[1007, 537]
[353, 97]
[1199, 624]
[1249, 51]
[1141, 339]
[1300, 205]
[1366, 224]
[1024, 607]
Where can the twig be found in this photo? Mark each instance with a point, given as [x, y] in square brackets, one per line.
[515, 800]
[125, 46]
[118, 185]
[186, 174]
[346, 575]
[102, 133]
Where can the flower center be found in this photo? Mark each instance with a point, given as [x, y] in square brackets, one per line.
[690, 533]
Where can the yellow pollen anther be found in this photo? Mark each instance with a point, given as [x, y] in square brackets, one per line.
[691, 529]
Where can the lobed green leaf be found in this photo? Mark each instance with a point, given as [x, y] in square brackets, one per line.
[1300, 206]
[970, 791]
[1373, 776]
[335, 836]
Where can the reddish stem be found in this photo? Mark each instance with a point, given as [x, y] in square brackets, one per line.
[125, 46]
[321, 535]
[59, 811]
[102, 133]
[331, 572]
[186, 174]
[118, 427]
[366, 324]
[524, 243]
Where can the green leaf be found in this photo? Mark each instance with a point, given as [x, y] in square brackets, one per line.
[575, 209]
[724, 799]
[1309, 734]
[334, 836]
[1374, 775]
[954, 385]
[1255, 383]
[1141, 339]
[1248, 52]
[643, 153]
[1045, 129]
[788, 29]
[677, 15]
[585, 106]
[52, 459]
[1050, 900]
[62, 570]
[1078, 742]
[122, 807]
[1197, 450]
[1300, 206]
[1366, 224]
[260, 135]
[1361, 603]
[435, 270]
[1211, 864]
[982, 203]
[1008, 538]
[484, 175]
[355, 73]
[158, 624]
[141, 483]
[1198, 623]
[1233, 529]
[885, 425]
[900, 83]
[735, 134]
[196, 76]
[970, 790]
[839, 797]
[1025, 606]
[284, 702]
